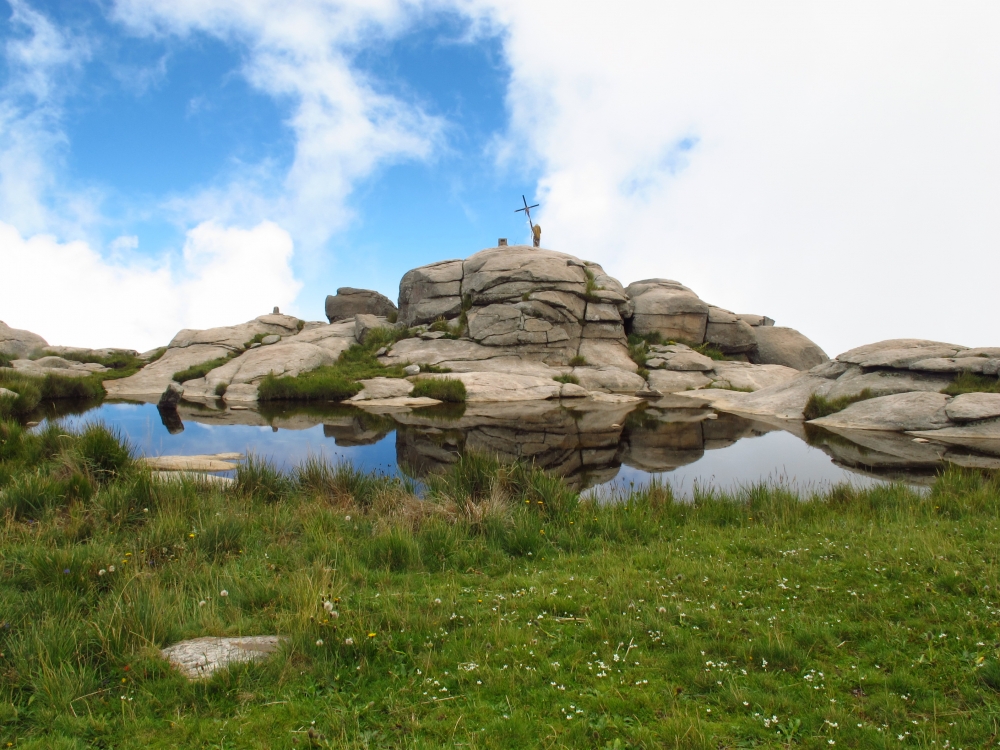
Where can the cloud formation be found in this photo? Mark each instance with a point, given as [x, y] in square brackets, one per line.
[841, 168]
[344, 127]
[69, 294]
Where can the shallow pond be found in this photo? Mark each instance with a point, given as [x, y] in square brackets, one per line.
[602, 447]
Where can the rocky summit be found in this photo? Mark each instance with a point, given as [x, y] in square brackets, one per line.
[522, 324]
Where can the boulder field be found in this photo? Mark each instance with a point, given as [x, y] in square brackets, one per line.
[512, 323]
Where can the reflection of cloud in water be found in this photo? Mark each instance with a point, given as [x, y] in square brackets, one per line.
[776, 457]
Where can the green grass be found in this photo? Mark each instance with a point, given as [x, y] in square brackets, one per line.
[577, 361]
[970, 382]
[818, 406]
[567, 379]
[486, 613]
[6, 360]
[199, 371]
[339, 381]
[449, 390]
[33, 391]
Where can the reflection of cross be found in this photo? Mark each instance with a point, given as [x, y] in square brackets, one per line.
[527, 212]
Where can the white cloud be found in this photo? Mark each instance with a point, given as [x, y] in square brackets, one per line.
[846, 172]
[40, 57]
[344, 128]
[70, 294]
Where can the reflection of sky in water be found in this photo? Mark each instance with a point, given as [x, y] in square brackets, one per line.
[776, 457]
[141, 424]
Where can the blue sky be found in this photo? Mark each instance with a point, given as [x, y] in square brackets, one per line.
[195, 162]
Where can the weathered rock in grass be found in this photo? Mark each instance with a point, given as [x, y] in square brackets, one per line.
[205, 463]
[898, 413]
[349, 302]
[15, 342]
[200, 658]
[57, 366]
[971, 407]
[777, 345]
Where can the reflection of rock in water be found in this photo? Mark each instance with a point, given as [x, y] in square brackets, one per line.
[171, 419]
[581, 444]
[357, 429]
[892, 455]
[666, 440]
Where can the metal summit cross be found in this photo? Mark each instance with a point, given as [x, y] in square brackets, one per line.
[536, 231]
[527, 211]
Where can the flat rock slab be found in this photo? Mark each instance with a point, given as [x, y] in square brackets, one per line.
[743, 375]
[670, 381]
[395, 403]
[900, 412]
[192, 476]
[980, 436]
[57, 366]
[971, 407]
[200, 658]
[217, 462]
[382, 388]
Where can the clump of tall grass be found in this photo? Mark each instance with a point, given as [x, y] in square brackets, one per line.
[201, 370]
[449, 390]
[819, 406]
[970, 382]
[260, 479]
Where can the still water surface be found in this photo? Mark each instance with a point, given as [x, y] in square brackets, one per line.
[597, 447]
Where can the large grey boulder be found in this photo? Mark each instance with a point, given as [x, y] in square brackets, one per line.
[971, 407]
[668, 308]
[897, 413]
[729, 333]
[534, 303]
[898, 353]
[777, 345]
[349, 302]
[15, 342]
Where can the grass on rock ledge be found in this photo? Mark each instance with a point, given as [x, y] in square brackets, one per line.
[449, 390]
[970, 382]
[819, 406]
[339, 381]
[499, 609]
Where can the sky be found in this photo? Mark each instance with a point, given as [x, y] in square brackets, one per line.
[169, 164]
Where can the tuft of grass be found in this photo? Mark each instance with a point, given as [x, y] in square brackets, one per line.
[451, 331]
[6, 360]
[970, 382]
[577, 361]
[643, 373]
[591, 287]
[710, 351]
[159, 352]
[260, 479]
[393, 317]
[568, 378]
[220, 389]
[728, 387]
[818, 406]
[199, 371]
[448, 390]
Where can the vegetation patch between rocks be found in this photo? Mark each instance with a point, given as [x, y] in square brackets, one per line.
[339, 381]
[33, 390]
[567, 378]
[201, 370]
[449, 390]
[970, 382]
[498, 607]
[818, 406]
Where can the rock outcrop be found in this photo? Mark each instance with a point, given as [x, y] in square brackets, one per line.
[349, 302]
[899, 383]
[15, 342]
[190, 348]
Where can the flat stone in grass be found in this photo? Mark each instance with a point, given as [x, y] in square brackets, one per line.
[199, 658]
[209, 463]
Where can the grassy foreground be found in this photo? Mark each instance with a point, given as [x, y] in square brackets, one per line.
[500, 611]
